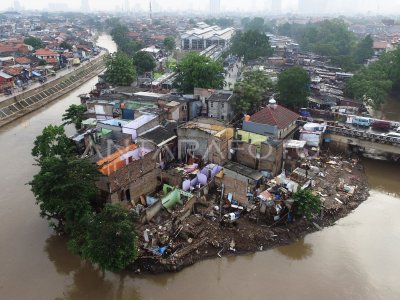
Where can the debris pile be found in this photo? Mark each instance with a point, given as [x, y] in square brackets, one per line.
[206, 221]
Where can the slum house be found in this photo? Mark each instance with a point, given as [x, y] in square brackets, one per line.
[6, 81]
[204, 140]
[240, 182]
[7, 61]
[258, 152]
[99, 139]
[100, 109]
[140, 125]
[203, 95]
[190, 107]
[274, 120]
[129, 173]
[219, 105]
[162, 140]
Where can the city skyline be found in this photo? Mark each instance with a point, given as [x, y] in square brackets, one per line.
[231, 6]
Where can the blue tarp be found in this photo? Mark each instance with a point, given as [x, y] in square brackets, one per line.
[37, 74]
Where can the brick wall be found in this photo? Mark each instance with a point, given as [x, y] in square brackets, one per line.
[218, 150]
[235, 185]
[271, 158]
[246, 154]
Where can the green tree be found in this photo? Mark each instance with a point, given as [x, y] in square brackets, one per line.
[169, 43]
[257, 24]
[64, 185]
[119, 34]
[74, 115]
[306, 203]
[42, 62]
[293, 87]
[65, 45]
[330, 38]
[144, 62]
[251, 91]
[222, 22]
[371, 85]
[111, 240]
[63, 189]
[36, 43]
[120, 69]
[195, 70]
[245, 21]
[251, 45]
[364, 50]
[52, 142]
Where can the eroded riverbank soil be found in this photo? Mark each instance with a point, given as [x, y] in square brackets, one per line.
[204, 237]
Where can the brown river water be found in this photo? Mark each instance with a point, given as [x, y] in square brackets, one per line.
[358, 258]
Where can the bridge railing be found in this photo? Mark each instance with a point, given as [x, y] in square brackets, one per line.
[363, 135]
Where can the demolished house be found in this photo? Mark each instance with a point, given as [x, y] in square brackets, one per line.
[204, 140]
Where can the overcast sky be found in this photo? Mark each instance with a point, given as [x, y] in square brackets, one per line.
[374, 6]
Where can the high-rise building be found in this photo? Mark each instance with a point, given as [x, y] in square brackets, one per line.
[276, 6]
[215, 6]
[311, 7]
[85, 6]
[17, 5]
[127, 7]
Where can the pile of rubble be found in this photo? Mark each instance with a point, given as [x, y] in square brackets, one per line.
[211, 225]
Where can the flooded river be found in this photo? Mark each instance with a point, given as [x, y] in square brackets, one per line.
[355, 259]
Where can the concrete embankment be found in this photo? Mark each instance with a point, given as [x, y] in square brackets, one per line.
[22, 104]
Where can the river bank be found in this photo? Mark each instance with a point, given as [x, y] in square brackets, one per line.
[203, 237]
[15, 107]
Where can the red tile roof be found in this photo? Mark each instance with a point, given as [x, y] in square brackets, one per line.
[132, 34]
[279, 116]
[6, 48]
[380, 45]
[45, 52]
[12, 71]
[23, 60]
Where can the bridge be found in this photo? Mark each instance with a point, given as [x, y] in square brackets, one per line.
[365, 141]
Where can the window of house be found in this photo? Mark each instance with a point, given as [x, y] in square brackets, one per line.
[222, 105]
[222, 117]
[211, 116]
[185, 107]
[211, 104]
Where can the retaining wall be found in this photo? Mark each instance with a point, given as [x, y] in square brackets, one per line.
[24, 103]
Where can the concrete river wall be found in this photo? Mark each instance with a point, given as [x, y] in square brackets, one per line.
[24, 103]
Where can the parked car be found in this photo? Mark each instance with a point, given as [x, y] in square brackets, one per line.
[381, 125]
[361, 121]
[393, 135]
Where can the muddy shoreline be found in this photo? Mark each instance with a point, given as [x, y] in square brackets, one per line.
[249, 236]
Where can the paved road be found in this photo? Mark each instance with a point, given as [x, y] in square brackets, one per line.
[232, 76]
